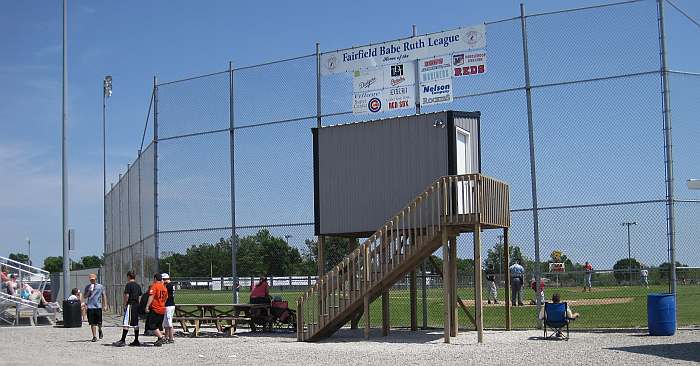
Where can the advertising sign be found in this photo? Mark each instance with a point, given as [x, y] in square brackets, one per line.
[405, 50]
[469, 63]
[383, 89]
[436, 68]
[435, 92]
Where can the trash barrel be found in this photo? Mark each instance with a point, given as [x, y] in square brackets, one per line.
[71, 314]
[661, 314]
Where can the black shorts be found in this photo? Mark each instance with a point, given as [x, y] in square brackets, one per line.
[131, 316]
[154, 321]
[94, 316]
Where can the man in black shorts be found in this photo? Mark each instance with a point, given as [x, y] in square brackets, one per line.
[130, 319]
[155, 308]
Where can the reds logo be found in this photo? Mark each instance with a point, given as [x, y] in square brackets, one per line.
[374, 105]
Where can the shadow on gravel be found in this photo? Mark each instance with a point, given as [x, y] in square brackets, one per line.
[395, 336]
[675, 351]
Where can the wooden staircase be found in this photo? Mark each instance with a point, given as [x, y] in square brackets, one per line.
[449, 206]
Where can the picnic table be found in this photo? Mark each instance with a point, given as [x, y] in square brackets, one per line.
[225, 317]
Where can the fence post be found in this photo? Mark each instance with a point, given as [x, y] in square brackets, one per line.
[668, 152]
[531, 138]
[234, 242]
[155, 173]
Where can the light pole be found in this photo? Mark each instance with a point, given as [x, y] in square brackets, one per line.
[629, 249]
[29, 256]
[106, 93]
[64, 157]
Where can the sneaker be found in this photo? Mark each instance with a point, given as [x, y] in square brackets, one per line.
[170, 341]
[158, 343]
[119, 343]
[100, 333]
[135, 344]
[94, 339]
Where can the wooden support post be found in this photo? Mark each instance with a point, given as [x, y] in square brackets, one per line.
[366, 308]
[479, 310]
[414, 301]
[385, 313]
[300, 321]
[321, 257]
[454, 318]
[506, 272]
[447, 283]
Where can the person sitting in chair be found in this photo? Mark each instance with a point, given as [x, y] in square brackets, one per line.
[570, 315]
[556, 298]
[260, 294]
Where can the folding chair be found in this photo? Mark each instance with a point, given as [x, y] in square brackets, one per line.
[555, 319]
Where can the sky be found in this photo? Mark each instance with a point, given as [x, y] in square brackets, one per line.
[135, 41]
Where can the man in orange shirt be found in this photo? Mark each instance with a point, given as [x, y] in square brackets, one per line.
[155, 308]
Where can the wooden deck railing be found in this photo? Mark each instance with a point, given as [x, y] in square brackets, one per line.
[457, 201]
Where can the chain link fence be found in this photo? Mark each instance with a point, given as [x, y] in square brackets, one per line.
[232, 163]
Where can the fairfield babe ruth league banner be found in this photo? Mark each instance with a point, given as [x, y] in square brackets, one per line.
[405, 50]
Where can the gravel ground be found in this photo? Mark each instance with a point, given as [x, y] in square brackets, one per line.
[72, 346]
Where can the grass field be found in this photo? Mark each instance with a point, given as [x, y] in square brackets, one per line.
[631, 313]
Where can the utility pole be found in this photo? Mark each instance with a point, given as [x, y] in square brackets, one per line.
[64, 157]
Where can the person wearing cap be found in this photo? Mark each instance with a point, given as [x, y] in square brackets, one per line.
[94, 296]
[260, 294]
[169, 309]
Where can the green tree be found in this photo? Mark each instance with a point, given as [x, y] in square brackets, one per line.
[495, 256]
[665, 270]
[621, 268]
[91, 261]
[53, 264]
[19, 257]
[336, 249]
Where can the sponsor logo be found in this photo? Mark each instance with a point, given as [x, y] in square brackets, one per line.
[374, 105]
[396, 70]
[397, 81]
[474, 37]
[367, 84]
[433, 62]
[398, 91]
[436, 89]
[458, 59]
[470, 70]
[332, 61]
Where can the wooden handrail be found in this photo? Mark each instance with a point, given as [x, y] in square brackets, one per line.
[450, 200]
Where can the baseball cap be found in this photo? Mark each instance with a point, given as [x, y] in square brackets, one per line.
[165, 276]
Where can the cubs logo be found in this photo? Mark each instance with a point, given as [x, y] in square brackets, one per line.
[374, 105]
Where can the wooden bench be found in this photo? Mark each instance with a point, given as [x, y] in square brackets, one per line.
[222, 323]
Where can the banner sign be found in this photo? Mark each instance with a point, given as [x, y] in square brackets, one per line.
[410, 49]
[384, 89]
[435, 92]
[469, 63]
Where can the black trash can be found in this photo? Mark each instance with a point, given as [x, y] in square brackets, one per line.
[71, 314]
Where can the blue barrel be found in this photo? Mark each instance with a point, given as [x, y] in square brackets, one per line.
[661, 314]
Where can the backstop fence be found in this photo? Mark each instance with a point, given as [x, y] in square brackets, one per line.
[596, 173]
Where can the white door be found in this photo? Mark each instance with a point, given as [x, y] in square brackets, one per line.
[464, 166]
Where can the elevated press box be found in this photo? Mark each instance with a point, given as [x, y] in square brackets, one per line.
[365, 172]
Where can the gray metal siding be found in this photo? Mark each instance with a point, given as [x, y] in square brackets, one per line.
[368, 171]
[471, 125]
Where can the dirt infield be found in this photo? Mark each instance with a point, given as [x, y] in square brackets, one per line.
[579, 302]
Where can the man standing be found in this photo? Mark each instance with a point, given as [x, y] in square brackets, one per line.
[169, 309]
[491, 284]
[94, 296]
[588, 269]
[517, 273]
[132, 294]
[155, 308]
